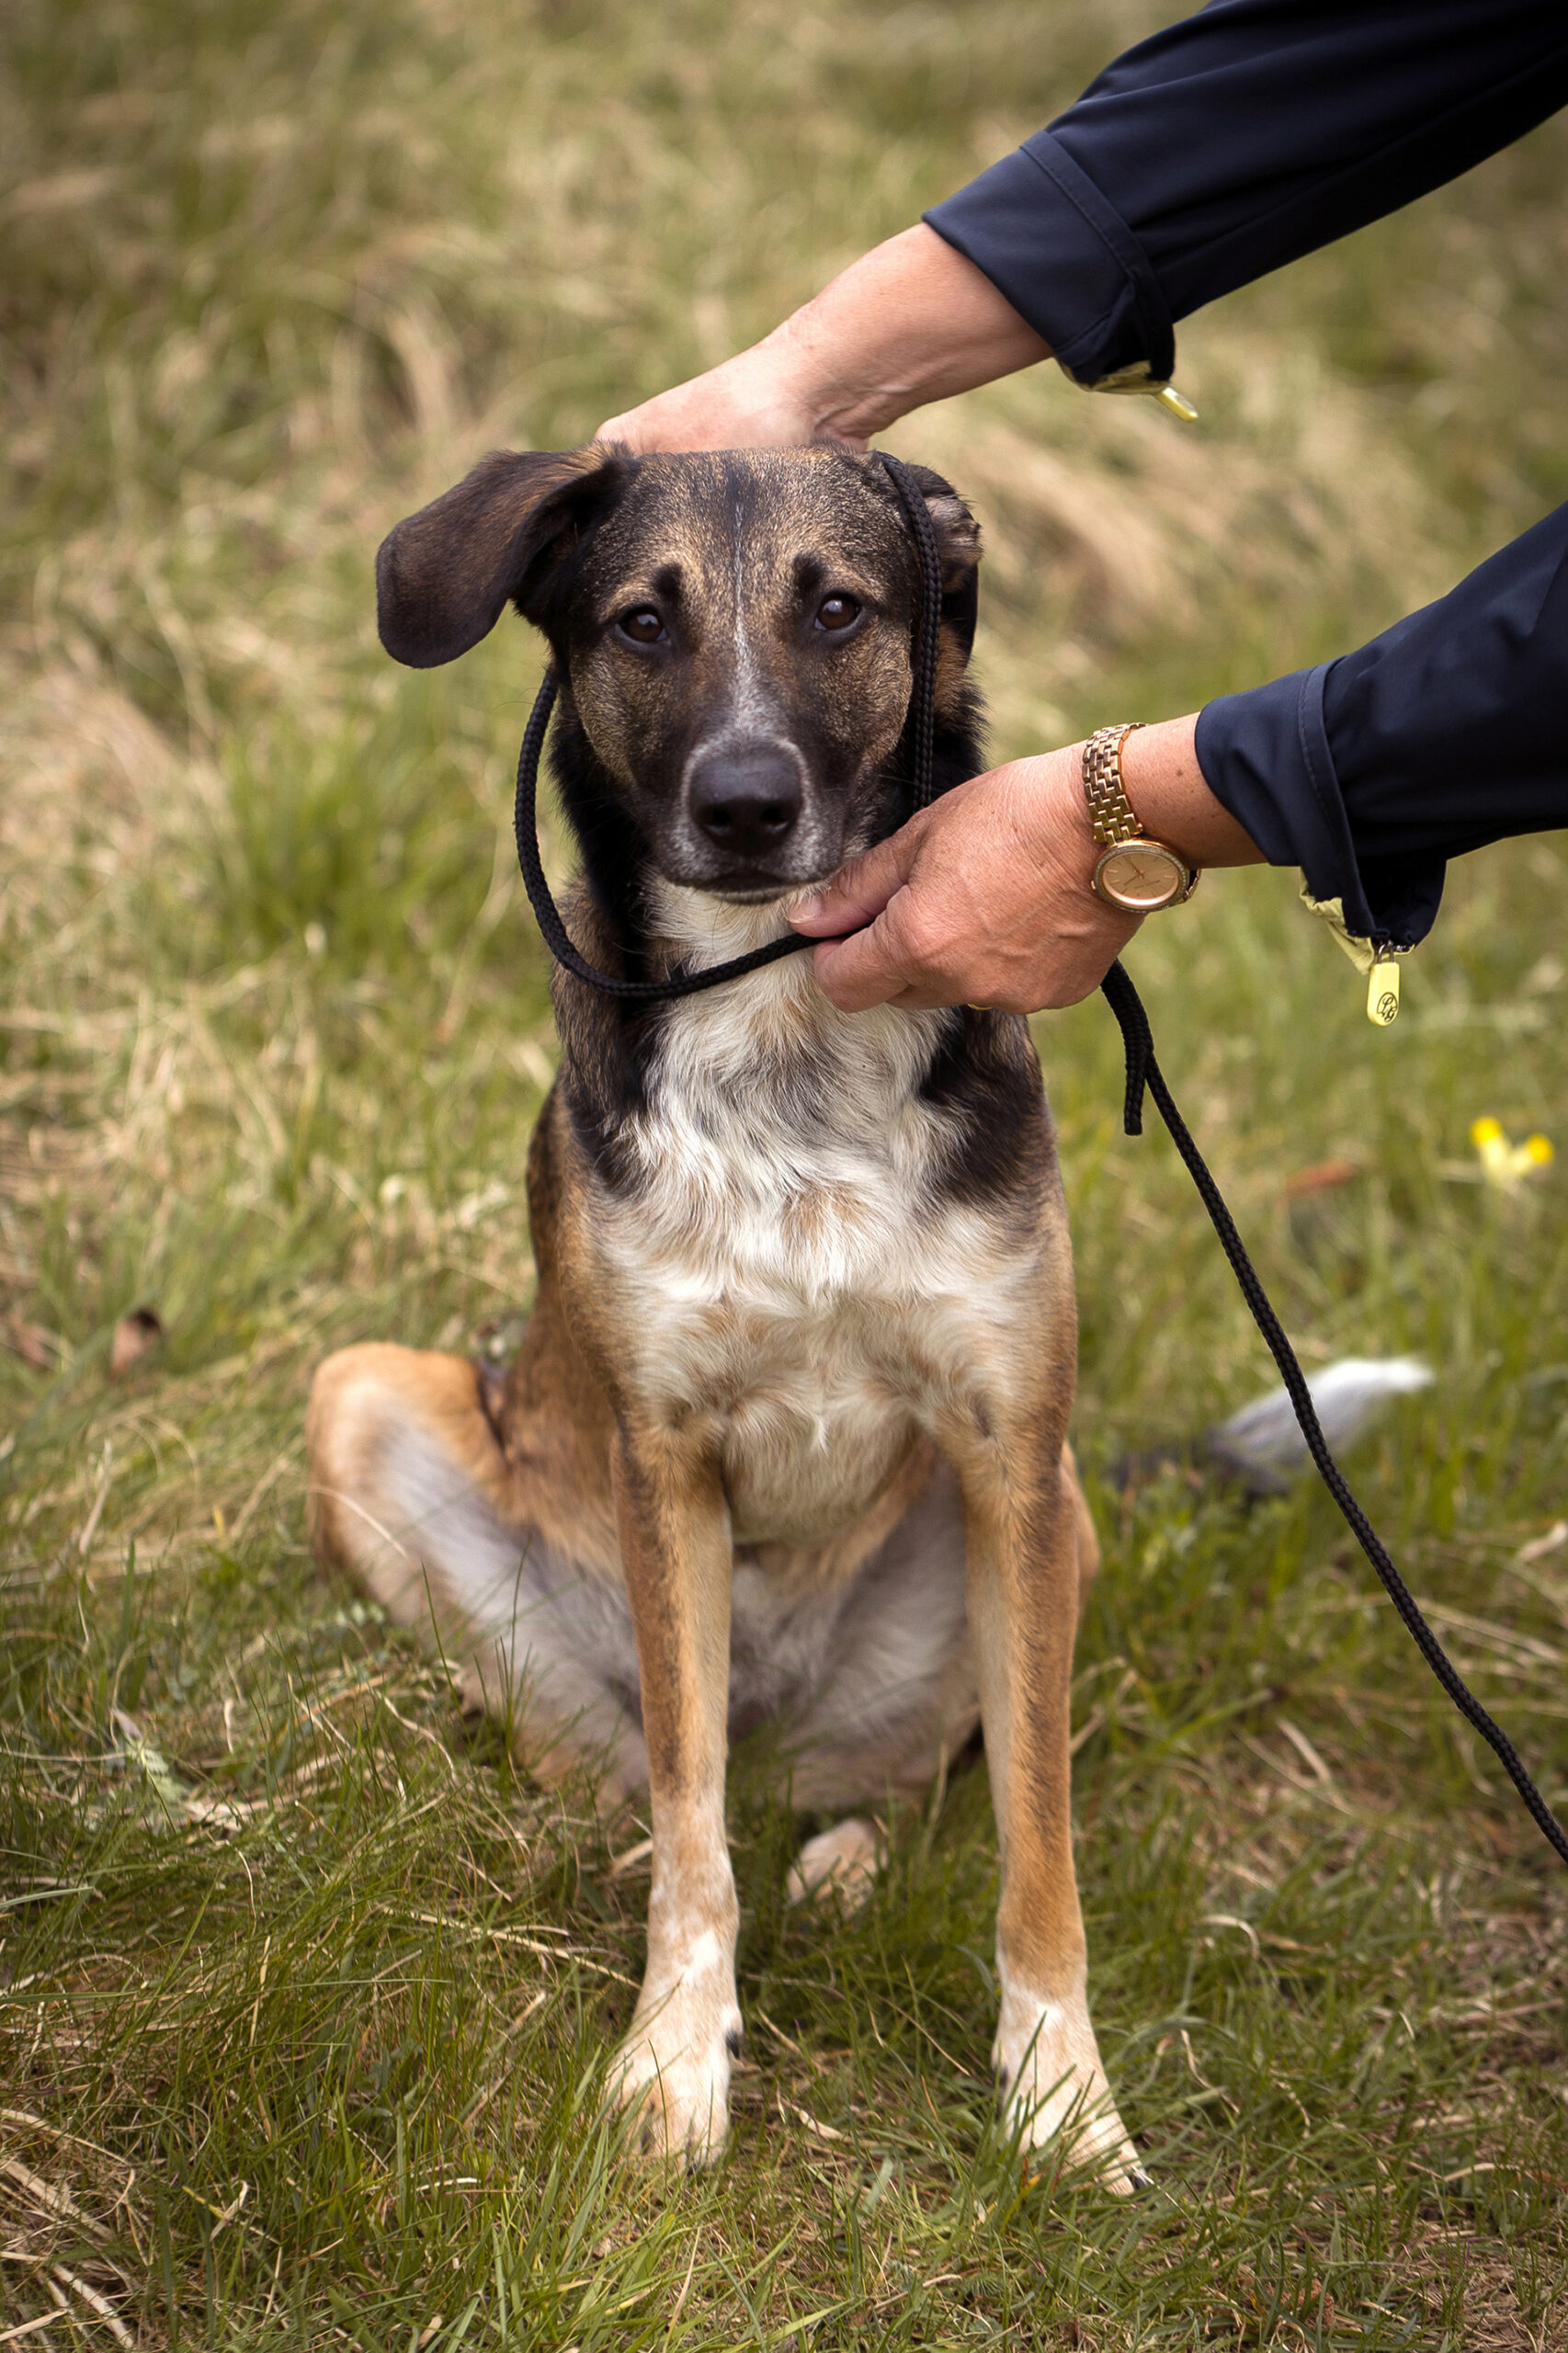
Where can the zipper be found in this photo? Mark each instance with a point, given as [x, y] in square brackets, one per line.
[1382, 985]
[1376, 958]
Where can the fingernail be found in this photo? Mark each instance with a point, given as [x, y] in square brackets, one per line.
[805, 910]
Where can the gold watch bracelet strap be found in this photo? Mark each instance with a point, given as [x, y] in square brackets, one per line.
[1109, 806]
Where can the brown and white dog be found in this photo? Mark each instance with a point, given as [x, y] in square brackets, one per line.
[786, 1439]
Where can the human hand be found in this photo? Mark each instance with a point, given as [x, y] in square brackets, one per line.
[981, 899]
[758, 400]
[986, 898]
[909, 322]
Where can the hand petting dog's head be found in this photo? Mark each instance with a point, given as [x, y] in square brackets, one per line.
[732, 633]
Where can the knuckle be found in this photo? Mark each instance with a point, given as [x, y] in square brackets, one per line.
[920, 936]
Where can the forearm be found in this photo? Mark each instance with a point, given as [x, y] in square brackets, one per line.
[909, 322]
[1171, 800]
[1227, 144]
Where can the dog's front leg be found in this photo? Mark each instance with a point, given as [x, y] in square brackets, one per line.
[676, 1543]
[1022, 1581]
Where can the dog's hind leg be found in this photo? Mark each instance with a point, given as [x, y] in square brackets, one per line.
[903, 1698]
[412, 1491]
[895, 1694]
[845, 1858]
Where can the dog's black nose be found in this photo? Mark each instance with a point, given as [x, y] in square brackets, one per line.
[746, 802]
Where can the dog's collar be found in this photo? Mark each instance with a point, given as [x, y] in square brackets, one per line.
[921, 727]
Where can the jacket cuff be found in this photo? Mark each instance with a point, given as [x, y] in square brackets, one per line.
[1265, 756]
[1049, 240]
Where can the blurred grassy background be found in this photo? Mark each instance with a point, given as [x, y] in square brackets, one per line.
[301, 1992]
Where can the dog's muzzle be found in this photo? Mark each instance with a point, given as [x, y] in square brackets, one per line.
[746, 802]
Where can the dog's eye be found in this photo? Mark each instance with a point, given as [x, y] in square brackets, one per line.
[643, 625]
[838, 612]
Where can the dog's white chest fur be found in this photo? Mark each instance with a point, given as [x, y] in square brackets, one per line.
[785, 1264]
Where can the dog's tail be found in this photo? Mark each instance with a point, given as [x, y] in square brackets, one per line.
[1262, 1448]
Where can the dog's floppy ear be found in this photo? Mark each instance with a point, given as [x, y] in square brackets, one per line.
[444, 574]
[958, 543]
[958, 533]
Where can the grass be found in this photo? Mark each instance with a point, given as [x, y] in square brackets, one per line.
[305, 1993]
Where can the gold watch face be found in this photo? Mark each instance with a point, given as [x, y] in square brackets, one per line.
[1141, 877]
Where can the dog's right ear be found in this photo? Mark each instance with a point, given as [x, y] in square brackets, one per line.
[443, 575]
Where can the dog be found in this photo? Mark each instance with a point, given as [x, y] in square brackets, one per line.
[785, 1440]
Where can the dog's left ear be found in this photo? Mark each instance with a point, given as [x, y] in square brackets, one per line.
[958, 543]
[444, 575]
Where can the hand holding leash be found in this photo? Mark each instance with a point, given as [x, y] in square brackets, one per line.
[986, 898]
[981, 899]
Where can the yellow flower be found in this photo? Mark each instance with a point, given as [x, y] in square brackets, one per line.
[1503, 1163]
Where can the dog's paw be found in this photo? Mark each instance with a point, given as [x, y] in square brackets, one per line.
[845, 1858]
[1051, 2083]
[673, 2071]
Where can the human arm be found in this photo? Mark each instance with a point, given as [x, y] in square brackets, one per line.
[909, 322]
[1226, 145]
[1223, 148]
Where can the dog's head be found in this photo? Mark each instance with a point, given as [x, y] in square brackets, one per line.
[732, 633]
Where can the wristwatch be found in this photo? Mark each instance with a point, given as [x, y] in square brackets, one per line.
[1132, 872]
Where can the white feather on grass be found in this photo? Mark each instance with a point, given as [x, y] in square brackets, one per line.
[1263, 1441]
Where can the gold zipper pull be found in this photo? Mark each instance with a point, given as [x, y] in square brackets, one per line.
[1382, 991]
[1379, 965]
[1137, 378]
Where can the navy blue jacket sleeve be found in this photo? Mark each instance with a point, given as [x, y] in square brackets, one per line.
[1235, 141]
[1449, 731]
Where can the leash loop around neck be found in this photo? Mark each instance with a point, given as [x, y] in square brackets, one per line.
[920, 726]
[1143, 1070]
[546, 915]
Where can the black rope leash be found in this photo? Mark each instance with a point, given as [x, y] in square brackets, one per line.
[921, 727]
[547, 914]
[1142, 1072]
